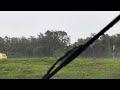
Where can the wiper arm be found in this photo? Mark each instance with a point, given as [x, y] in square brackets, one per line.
[72, 54]
[61, 59]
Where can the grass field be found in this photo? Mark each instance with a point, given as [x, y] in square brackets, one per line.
[35, 68]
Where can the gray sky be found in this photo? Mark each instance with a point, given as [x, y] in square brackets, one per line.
[78, 24]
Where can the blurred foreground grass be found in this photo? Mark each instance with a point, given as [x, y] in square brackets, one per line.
[80, 68]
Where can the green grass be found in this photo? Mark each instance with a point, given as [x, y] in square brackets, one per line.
[35, 68]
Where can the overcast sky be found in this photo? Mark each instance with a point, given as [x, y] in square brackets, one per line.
[78, 24]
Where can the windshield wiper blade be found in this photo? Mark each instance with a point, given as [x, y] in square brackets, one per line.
[61, 59]
[73, 53]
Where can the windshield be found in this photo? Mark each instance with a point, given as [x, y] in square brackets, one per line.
[34, 40]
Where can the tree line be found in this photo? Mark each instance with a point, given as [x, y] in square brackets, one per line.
[56, 43]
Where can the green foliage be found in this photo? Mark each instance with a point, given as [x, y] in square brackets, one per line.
[42, 46]
[55, 43]
[103, 47]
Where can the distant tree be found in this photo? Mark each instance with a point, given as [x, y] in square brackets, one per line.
[56, 43]
[2, 44]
